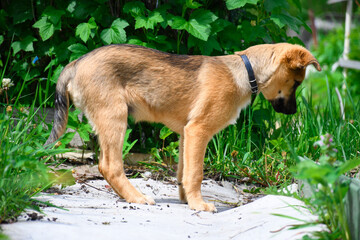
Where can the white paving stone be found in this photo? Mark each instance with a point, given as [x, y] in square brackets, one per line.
[93, 214]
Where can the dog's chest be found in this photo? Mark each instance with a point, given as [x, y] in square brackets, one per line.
[236, 113]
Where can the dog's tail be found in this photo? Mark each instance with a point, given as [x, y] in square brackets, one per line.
[61, 103]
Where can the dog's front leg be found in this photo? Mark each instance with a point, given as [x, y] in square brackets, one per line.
[196, 137]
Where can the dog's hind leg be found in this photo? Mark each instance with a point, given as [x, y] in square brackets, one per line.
[110, 124]
[180, 170]
[196, 139]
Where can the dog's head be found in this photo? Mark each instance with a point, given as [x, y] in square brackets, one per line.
[281, 87]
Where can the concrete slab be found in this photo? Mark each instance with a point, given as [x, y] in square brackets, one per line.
[95, 212]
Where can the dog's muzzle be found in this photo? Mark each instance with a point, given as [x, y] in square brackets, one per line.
[280, 105]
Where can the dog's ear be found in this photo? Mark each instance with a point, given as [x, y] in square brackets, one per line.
[300, 58]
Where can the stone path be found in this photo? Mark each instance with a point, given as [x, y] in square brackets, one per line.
[94, 212]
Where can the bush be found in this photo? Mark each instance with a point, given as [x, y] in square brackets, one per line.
[43, 37]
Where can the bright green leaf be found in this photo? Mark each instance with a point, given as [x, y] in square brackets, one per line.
[106, 36]
[92, 23]
[119, 23]
[16, 47]
[83, 31]
[198, 30]
[113, 35]
[193, 5]
[148, 22]
[177, 23]
[285, 20]
[199, 24]
[1, 39]
[349, 165]
[165, 132]
[78, 48]
[46, 29]
[116, 33]
[203, 16]
[233, 4]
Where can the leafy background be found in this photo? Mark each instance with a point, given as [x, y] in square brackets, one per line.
[43, 36]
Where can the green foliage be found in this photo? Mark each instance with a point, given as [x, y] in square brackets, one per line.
[167, 155]
[44, 37]
[263, 145]
[127, 146]
[328, 52]
[327, 187]
[23, 161]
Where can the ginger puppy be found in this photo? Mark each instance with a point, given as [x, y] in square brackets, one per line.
[195, 96]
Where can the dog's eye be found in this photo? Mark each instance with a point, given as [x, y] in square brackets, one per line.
[296, 84]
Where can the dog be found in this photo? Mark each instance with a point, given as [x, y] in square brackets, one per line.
[195, 96]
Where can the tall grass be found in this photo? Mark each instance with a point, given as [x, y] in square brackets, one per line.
[263, 145]
[23, 160]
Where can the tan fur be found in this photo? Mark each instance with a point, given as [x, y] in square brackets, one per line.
[196, 96]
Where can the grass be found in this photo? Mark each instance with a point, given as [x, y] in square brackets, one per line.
[263, 144]
[24, 162]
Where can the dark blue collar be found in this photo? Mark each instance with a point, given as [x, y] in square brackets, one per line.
[252, 79]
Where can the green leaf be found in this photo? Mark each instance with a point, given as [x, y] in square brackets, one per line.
[83, 31]
[1, 39]
[84, 134]
[206, 47]
[71, 6]
[78, 48]
[135, 8]
[203, 16]
[198, 30]
[119, 23]
[270, 5]
[252, 33]
[233, 4]
[285, 20]
[193, 5]
[177, 23]
[148, 22]
[53, 14]
[16, 47]
[219, 25]
[46, 29]
[26, 45]
[116, 33]
[199, 24]
[349, 165]
[297, 3]
[165, 132]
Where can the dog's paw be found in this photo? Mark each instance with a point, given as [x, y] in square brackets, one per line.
[203, 206]
[144, 199]
[149, 200]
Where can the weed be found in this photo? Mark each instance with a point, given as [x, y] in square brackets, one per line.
[23, 162]
[327, 188]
